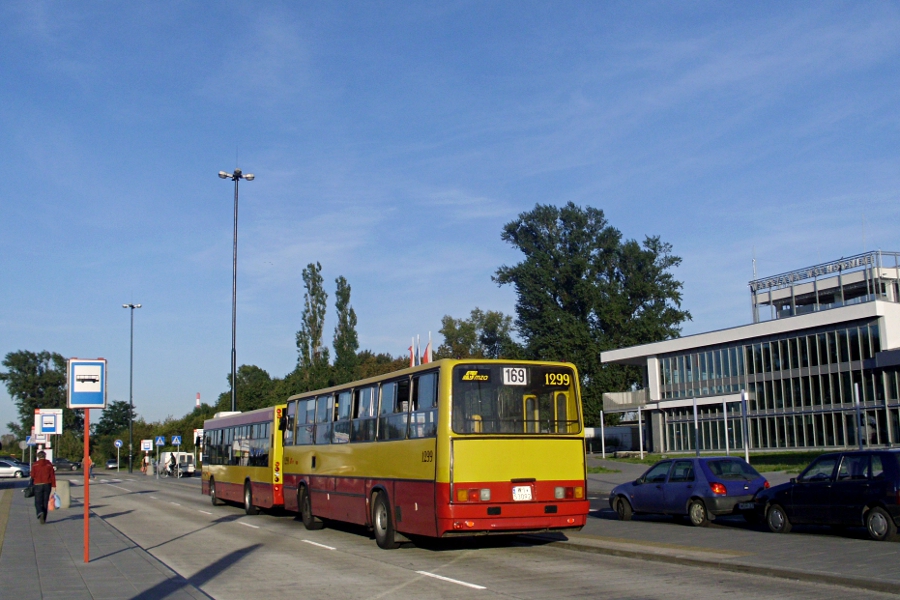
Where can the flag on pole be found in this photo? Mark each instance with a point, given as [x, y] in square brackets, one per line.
[427, 357]
[412, 361]
[418, 354]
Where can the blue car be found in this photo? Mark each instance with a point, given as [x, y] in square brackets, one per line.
[701, 488]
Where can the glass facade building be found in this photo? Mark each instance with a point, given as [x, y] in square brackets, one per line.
[796, 377]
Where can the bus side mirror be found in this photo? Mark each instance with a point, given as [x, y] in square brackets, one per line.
[282, 423]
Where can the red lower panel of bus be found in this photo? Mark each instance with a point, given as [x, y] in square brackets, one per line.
[424, 508]
[265, 495]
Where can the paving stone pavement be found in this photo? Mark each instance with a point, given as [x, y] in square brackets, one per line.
[46, 562]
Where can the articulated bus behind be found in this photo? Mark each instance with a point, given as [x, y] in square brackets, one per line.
[454, 447]
[242, 458]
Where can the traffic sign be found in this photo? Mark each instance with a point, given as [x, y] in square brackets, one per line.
[176, 440]
[117, 443]
[30, 440]
[87, 383]
[160, 440]
[146, 445]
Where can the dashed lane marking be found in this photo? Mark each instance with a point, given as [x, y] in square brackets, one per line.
[248, 525]
[204, 512]
[319, 545]
[456, 581]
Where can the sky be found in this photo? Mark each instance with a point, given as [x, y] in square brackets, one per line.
[392, 141]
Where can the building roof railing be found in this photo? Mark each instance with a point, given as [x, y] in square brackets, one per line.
[873, 259]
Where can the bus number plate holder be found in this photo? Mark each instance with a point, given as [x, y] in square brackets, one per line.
[521, 493]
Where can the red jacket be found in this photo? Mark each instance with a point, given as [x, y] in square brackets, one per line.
[42, 472]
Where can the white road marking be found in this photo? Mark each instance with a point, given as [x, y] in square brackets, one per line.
[248, 525]
[320, 545]
[456, 581]
[175, 503]
[154, 498]
[118, 488]
[204, 512]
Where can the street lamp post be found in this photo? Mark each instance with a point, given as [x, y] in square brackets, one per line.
[131, 392]
[235, 177]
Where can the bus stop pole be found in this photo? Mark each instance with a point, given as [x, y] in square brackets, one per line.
[87, 485]
[696, 428]
[725, 413]
[640, 433]
[744, 415]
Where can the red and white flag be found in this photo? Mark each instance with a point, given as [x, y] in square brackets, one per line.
[412, 359]
[427, 357]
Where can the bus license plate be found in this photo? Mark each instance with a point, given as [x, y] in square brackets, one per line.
[521, 493]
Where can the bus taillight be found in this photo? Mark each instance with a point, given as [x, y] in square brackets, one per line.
[568, 493]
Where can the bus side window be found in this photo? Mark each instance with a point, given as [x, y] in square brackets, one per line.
[423, 420]
[393, 415]
[289, 423]
[341, 432]
[363, 425]
[532, 415]
[324, 416]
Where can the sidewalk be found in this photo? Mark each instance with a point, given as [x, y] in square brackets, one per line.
[45, 562]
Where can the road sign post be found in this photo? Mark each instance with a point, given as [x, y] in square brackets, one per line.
[176, 441]
[118, 445]
[160, 441]
[86, 385]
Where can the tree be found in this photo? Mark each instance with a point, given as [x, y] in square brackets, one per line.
[313, 359]
[371, 364]
[254, 389]
[581, 290]
[482, 335]
[115, 418]
[37, 380]
[346, 342]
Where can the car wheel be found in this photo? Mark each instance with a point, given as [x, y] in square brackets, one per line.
[74, 467]
[309, 521]
[697, 513]
[880, 526]
[777, 520]
[249, 508]
[623, 509]
[383, 523]
[212, 493]
[19, 475]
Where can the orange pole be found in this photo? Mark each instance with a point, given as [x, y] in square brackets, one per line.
[87, 485]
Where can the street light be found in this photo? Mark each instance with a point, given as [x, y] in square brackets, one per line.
[235, 177]
[131, 391]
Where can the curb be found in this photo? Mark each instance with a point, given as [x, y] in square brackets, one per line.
[828, 578]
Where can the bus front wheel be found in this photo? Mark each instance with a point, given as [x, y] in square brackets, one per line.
[249, 508]
[309, 521]
[383, 523]
[212, 493]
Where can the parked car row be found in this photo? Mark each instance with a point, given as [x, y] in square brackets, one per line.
[843, 489]
[10, 467]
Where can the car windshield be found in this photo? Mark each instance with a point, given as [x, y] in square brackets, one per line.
[514, 399]
[732, 469]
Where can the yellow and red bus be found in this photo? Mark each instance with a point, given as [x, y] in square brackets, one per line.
[449, 448]
[242, 458]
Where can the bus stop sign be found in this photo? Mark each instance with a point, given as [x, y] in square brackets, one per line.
[87, 383]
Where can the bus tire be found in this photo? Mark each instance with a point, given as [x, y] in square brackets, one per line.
[212, 493]
[249, 508]
[309, 521]
[383, 523]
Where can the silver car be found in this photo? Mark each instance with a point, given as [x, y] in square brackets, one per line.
[9, 468]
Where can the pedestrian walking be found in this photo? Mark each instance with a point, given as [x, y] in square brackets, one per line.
[43, 478]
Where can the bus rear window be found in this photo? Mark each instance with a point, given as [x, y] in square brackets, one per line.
[514, 399]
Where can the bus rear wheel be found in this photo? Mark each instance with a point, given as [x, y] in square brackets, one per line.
[309, 521]
[249, 508]
[383, 523]
[212, 493]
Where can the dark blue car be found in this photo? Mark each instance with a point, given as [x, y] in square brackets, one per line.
[701, 488]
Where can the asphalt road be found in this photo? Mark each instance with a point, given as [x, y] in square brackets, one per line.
[231, 555]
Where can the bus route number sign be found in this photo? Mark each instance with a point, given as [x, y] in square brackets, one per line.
[515, 376]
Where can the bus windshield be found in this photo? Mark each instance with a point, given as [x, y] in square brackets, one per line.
[514, 399]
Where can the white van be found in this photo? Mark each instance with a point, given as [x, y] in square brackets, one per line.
[185, 461]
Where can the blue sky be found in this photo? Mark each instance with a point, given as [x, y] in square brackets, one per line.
[392, 141]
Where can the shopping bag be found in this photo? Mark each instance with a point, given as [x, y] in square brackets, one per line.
[56, 501]
[28, 491]
[50, 503]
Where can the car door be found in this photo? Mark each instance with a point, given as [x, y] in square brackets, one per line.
[680, 487]
[851, 489]
[6, 469]
[648, 494]
[811, 494]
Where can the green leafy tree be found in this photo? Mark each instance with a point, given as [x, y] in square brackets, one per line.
[114, 419]
[346, 341]
[37, 380]
[253, 390]
[371, 364]
[482, 335]
[581, 289]
[313, 360]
